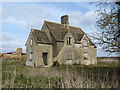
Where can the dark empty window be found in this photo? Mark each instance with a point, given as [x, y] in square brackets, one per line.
[69, 40]
[85, 58]
[45, 58]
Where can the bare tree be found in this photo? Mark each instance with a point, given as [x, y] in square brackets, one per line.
[108, 26]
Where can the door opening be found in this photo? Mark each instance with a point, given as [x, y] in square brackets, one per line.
[45, 58]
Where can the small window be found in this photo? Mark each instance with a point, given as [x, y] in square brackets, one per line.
[31, 56]
[85, 58]
[69, 40]
[85, 55]
[31, 41]
[31, 49]
[69, 56]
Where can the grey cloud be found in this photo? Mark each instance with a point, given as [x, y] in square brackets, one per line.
[82, 19]
[30, 15]
[10, 42]
[11, 46]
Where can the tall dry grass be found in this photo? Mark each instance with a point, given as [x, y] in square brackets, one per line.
[17, 75]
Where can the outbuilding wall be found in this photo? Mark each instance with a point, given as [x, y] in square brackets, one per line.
[44, 48]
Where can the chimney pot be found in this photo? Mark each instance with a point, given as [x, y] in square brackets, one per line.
[65, 20]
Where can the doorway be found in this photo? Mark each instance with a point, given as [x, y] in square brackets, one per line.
[45, 58]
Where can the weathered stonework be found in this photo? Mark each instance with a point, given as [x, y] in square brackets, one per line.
[61, 44]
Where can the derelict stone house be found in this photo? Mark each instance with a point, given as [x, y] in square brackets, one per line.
[59, 43]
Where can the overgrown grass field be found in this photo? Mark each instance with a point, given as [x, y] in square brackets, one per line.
[16, 75]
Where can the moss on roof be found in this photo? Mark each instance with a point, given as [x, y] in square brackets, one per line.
[58, 31]
[41, 36]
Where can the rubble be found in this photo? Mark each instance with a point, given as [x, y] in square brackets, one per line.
[13, 55]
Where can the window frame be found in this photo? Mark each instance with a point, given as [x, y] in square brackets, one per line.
[31, 53]
[31, 41]
[69, 40]
[69, 55]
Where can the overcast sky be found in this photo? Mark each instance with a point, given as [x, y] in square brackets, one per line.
[20, 17]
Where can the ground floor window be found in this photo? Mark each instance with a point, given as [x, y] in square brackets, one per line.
[69, 55]
[85, 55]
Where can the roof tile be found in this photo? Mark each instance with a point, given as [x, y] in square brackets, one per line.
[41, 36]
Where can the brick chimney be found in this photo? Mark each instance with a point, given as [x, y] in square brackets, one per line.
[65, 21]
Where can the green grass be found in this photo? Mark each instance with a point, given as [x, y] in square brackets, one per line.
[15, 74]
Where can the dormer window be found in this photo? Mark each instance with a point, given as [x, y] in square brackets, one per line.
[69, 40]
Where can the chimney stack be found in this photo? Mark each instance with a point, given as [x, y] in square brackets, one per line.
[65, 21]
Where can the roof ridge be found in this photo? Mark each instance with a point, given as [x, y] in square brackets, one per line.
[34, 29]
[61, 24]
[53, 22]
[37, 30]
[75, 27]
[42, 30]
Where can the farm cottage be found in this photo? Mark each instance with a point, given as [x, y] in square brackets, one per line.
[59, 44]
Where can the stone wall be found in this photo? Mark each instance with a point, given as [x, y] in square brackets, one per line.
[73, 54]
[31, 49]
[13, 55]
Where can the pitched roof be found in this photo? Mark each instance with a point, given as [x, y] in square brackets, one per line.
[59, 31]
[41, 36]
